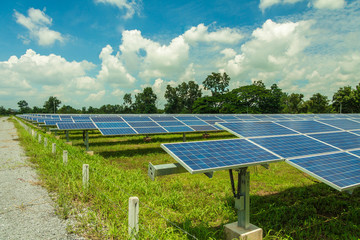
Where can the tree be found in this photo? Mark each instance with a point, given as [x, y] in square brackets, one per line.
[127, 103]
[293, 102]
[318, 103]
[24, 106]
[181, 98]
[145, 102]
[206, 104]
[51, 105]
[66, 109]
[217, 83]
[344, 100]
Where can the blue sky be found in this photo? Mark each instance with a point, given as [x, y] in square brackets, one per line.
[92, 52]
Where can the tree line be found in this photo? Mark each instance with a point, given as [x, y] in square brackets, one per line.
[187, 97]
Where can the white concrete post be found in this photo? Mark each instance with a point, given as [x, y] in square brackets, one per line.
[32, 132]
[85, 172]
[65, 157]
[53, 148]
[133, 217]
[45, 142]
[39, 138]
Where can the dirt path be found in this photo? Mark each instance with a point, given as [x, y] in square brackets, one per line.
[26, 210]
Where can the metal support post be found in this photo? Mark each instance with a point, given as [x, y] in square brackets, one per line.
[87, 140]
[67, 135]
[242, 196]
[184, 137]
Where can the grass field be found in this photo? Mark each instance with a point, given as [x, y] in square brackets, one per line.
[285, 202]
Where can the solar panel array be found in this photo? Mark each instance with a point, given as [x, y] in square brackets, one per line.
[326, 148]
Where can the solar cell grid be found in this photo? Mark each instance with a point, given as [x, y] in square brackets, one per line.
[117, 131]
[254, 129]
[217, 155]
[342, 140]
[112, 125]
[343, 124]
[294, 146]
[76, 126]
[176, 129]
[171, 123]
[107, 119]
[136, 118]
[163, 118]
[143, 124]
[150, 130]
[308, 126]
[187, 118]
[204, 128]
[195, 123]
[340, 170]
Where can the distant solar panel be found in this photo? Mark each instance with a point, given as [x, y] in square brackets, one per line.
[112, 125]
[343, 124]
[308, 126]
[195, 123]
[208, 118]
[255, 129]
[208, 156]
[76, 126]
[228, 118]
[117, 131]
[143, 124]
[204, 128]
[188, 118]
[107, 119]
[339, 170]
[136, 118]
[294, 146]
[212, 122]
[342, 140]
[176, 129]
[150, 130]
[171, 123]
[163, 118]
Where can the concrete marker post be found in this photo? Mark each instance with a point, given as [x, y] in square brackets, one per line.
[45, 142]
[65, 157]
[85, 172]
[133, 217]
[53, 148]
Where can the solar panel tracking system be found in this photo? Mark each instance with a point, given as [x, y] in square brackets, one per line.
[324, 148]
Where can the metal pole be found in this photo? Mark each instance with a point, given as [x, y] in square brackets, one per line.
[87, 140]
[244, 188]
[67, 135]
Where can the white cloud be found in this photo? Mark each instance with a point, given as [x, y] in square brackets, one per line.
[200, 33]
[117, 93]
[93, 98]
[329, 4]
[112, 69]
[267, 3]
[38, 24]
[130, 6]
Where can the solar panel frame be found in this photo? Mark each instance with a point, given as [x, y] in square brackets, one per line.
[344, 124]
[117, 131]
[307, 126]
[192, 155]
[342, 140]
[76, 126]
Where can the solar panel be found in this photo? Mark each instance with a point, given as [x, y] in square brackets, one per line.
[136, 118]
[204, 128]
[107, 119]
[150, 130]
[254, 129]
[163, 118]
[206, 156]
[208, 118]
[339, 170]
[171, 123]
[342, 140]
[76, 126]
[308, 126]
[117, 131]
[143, 124]
[189, 118]
[112, 125]
[176, 129]
[195, 123]
[212, 122]
[293, 146]
[343, 124]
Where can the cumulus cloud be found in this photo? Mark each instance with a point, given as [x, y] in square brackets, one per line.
[37, 23]
[200, 33]
[329, 4]
[130, 7]
[318, 4]
[112, 69]
[93, 98]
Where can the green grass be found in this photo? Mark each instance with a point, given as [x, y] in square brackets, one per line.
[286, 203]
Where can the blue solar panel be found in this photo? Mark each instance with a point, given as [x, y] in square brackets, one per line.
[212, 122]
[112, 125]
[293, 146]
[107, 119]
[343, 124]
[227, 118]
[253, 129]
[176, 129]
[136, 118]
[53, 122]
[117, 131]
[143, 124]
[148, 130]
[343, 140]
[339, 170]
[204, 128]
[208, 156]
[76, 126]
[189, 118]
[308, 126]
[356, 132]
[171, 123]
[195, 123]
[356, 152]
[163, 119]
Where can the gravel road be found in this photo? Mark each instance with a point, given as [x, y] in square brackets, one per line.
[26, 210]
